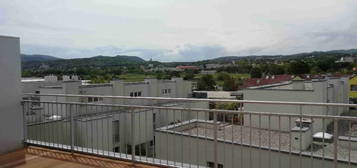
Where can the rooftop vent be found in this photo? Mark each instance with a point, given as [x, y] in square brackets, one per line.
[303, 122]
[322, 137]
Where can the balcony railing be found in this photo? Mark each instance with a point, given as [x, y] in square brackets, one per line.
[184, 132]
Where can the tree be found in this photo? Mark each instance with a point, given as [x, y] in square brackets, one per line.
[221, 76]
[275, 69]
[326, 63]
[256, 73]
[299, 67]
[206, 82]
[189, 75]
[229, 84]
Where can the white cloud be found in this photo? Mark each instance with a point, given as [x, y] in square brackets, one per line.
[201, 28]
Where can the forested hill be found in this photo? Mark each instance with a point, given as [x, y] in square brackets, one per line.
[37, 58]
[92, 62]
[35, 62]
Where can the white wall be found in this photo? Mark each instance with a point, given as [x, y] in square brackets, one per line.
[199, 151]
[281, 95]
[11, 117]
[321, 93]
[95, 133]
[32, 86]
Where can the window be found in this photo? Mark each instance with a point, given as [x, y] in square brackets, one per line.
[95, 99]
[116, 131]
[90, 99]
[135, 94]
[116, 149]
[166, 91]
[353, 87]
[211, 164]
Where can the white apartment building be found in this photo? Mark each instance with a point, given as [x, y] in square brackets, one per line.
[32, 85]
[328, 90]
[117, 122]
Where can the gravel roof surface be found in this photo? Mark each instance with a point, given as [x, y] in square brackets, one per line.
[261, 137]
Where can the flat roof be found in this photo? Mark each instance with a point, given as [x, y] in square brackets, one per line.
[250, 136]
[3, 36]
[51, 87]
[32, 80]
[226, 130]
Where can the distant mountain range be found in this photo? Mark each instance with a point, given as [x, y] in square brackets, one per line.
[37, 61]
[36, 57]
[285, 57]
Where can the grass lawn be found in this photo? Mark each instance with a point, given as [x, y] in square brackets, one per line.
[134, 77]
[234, 75]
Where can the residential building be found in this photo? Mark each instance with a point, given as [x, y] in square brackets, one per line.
[329, 90]
[121, 121]
[266, 80]
[187, 67]
[208, 72]
[33, 85]
[349, 59]
[213, 95]
[213, 66]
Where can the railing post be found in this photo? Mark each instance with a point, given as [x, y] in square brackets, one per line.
[71, 128]
[215, 145]
[335, 139]
[132, 135]
[24, 121]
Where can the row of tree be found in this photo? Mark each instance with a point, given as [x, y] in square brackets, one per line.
[313, 65]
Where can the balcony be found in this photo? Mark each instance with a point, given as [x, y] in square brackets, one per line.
[187, 133]
[34, 157]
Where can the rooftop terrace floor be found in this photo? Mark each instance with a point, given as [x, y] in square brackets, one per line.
[42, 157]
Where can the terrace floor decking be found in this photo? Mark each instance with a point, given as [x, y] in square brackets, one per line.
[36, 157]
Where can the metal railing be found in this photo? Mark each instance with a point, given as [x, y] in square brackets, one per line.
[189, 134]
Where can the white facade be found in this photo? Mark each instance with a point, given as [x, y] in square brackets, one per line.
[334, 90]
[32, 85]
[114, 118]
[175, 144]
[11, 118]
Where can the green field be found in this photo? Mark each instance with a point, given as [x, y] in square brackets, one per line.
[234, 75]
[134, 77]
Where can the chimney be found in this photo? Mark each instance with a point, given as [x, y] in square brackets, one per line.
[300, 138]
[298, 83]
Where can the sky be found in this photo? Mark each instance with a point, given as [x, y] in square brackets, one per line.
[179, 30]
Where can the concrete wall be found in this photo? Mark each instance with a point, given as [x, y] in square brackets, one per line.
[11, 117]
[96, 133]
[52, 132]
[31, 87]
[332, 90]
[198, 151]
[281, 95]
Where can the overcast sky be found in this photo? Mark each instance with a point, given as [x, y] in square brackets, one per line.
[179, 30]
